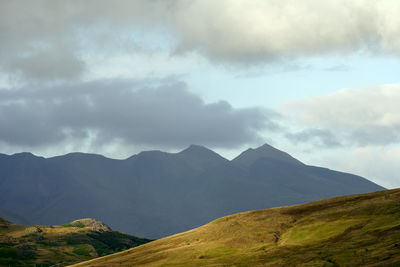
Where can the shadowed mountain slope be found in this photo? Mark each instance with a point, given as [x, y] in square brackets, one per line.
[357, 230]
[154, 194]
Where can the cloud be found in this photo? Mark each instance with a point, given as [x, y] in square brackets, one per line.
[321, 138]
[377, 163]
[50, 39]
[264, 31]
[61, 33]
[47, 65]
[37, 40]
[361, 117]
[159, 113]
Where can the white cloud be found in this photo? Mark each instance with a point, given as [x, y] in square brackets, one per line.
[259, 30]
[359, 117]
[379, 164]
[240, 31]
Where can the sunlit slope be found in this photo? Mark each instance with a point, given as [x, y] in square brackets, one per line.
[347, 231]
[73, 242]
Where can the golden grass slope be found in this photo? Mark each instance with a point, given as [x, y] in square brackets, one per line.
[357, 230]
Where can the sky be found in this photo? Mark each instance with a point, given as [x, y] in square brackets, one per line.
[317, 79]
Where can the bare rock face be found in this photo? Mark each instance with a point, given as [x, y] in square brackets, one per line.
[33, 230]
[93, 224]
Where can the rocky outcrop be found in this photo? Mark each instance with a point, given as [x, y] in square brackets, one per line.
[33, 230]
[93, 224]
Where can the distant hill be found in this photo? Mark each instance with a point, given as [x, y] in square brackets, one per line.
[155, 194]
[357, 230]
[80, 240]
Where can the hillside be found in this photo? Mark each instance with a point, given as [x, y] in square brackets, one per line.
[357, 230]
[69, 243]
[154, 194]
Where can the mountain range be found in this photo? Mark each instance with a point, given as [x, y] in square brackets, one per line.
[155, 194]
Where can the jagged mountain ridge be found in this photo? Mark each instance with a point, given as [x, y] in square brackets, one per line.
[154, 194]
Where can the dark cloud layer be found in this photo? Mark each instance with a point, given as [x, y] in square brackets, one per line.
[134, 112]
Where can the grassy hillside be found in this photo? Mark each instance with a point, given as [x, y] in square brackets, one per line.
[69, 243]
[357, 230]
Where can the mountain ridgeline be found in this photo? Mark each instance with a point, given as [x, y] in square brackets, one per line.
[155, 194]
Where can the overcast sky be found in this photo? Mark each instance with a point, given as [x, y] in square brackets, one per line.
[317, 79]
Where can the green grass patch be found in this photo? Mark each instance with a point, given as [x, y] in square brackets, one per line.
[75, 239]
[79, 225]
[111, 242]
[221, 251]
[17, 253]
[68, 254]
[8, 253]
[55, 251]
[315, 232]
[48, 244]
[76, 224]
[30, 235]
[7, 244]
[9, 262]
[82, 250]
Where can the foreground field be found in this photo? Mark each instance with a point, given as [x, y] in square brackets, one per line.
[357, 230]
[69, 243]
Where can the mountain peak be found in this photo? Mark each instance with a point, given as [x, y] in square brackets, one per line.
[200, 153]
[196, 149]
[81, 155]
[266, 151]
[24, 154]
[266, 147]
